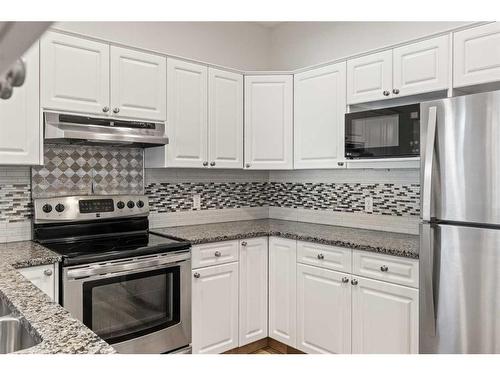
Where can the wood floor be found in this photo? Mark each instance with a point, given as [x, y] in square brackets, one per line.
[264, 346]
[266, 350]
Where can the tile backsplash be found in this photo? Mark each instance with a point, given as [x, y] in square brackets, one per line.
[72, 170]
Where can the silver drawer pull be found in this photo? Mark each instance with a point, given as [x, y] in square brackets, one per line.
[384, 268]
[47, 272]
[196, 275]
[321, 256]
[217, 254]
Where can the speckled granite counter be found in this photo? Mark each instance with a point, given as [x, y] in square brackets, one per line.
[398, 244]
[48, 321]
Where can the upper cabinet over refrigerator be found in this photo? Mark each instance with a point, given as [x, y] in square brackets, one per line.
[269, 122]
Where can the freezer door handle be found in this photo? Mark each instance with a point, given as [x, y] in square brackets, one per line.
[427, 282]
[429, 160]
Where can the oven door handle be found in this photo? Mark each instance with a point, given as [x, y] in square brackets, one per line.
[127, 267]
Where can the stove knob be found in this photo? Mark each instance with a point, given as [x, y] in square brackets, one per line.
[140, 204]
[60, 207]
[130, 204]
[120, 205]
[47, 208]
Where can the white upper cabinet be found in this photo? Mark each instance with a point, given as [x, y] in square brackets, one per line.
[319, 108]
[269, 122]
[225, 121]
[187, 114]
[138, 84]
[215, 309]
[323, 311]
[384, 318]
[282, 290]
[20, 135]
[74, 74]
[369, 77]
[421, 67]
[253, 290]
[476, 55]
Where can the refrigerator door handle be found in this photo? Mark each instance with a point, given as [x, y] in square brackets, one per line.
[427, 284]
[429, 160]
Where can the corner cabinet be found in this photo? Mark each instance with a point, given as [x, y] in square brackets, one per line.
[44, 278]
[476, 55]
[269, 122]
[412, 69]
[319, 107]
[20, 127]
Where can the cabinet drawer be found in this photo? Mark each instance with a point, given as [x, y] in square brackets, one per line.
[214, 253]
[386, 268]
[331, 257]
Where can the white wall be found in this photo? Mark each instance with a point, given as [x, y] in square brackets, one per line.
[299, 44]
[240, 45]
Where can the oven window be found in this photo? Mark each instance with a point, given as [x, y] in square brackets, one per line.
[125, 307]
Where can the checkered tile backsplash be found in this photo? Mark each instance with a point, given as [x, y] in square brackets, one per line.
[388, 199]
[70, 170]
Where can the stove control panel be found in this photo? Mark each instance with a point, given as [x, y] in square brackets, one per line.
[79, 208]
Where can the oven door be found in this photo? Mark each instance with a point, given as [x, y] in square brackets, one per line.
[383, 133]
[136, 305]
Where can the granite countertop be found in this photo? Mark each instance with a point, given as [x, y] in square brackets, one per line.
[47, 320]
[398, 244]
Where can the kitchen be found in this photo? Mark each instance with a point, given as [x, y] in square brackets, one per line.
[158, 197]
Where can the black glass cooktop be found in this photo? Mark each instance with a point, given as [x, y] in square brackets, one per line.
[109, 248]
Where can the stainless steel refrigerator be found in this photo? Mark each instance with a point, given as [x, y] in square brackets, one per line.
[460, 227]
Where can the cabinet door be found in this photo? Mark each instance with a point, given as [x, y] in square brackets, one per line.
[20, 135]
[268, 122]
[421, 67]
[225, 119]
[384, 318]
[283, 290]
[187, 122]
[369, 78]
[138, 84]
[43, 277]
[476, 55]
[253, 290]
[215, 309]
[323, 311]
[74, 74]
[319, 108]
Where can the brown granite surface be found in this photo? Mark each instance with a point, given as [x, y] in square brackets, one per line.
[48, 321]
[398, 244]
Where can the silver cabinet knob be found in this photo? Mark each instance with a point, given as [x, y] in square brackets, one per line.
[384, 268]
[212, 163]
[386, 93]
[321, 256]
[244, 243]
[196, 275]
[345, 280]
[354, 282]
[116, 110]
[247, 165]
[205, 163]
[217, 254]
[47, 272]
[395, 91]
[340, 163]
[105, 109]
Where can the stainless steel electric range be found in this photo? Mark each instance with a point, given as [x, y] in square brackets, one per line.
[131, 287]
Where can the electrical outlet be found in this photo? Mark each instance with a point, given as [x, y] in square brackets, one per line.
[196, 201]
[368, 205]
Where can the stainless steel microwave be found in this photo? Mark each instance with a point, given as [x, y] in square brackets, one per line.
[383, 133]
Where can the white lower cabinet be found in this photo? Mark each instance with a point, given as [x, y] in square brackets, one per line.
[283, 290]
[253, 290]
[43, 277]
[215, 309]
[323, 310]
[384, 318]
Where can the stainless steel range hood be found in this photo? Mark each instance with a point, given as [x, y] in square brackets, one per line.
[78, 129]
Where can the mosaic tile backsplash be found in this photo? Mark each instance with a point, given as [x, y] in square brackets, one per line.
[388, 199]
[15, 202]
[71, 170]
